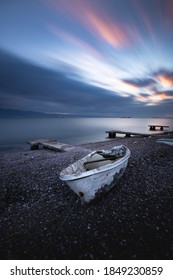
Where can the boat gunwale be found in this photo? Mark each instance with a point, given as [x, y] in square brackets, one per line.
[88, 173]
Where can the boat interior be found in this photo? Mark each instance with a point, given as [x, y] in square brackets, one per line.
[97, 161]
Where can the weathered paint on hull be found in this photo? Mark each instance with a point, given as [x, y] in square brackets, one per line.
[168, 141]
[91, 187]
[101, 176]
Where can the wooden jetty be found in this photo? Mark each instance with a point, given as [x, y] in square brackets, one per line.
[161, 127]
[47, 144]
[113, 133]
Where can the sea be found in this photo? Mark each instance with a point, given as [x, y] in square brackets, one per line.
[16, 132]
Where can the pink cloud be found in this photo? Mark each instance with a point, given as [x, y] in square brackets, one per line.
[96, 21]
[107, 29]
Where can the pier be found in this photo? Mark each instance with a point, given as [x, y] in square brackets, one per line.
[47, 144]
[113, 133]
[153, 126]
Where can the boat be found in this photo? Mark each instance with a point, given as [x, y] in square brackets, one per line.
[96, 173]
[168, 141]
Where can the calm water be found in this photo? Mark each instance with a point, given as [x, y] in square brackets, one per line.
[15, 132]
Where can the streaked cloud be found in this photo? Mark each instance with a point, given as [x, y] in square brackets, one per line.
[108, 30]
[96, 21]
[155, 98]
[145, 16]
[71, 39]
[117, 53]
[165, 77]
[140, 83]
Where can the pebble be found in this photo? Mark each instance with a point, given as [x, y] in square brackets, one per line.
[36, 204]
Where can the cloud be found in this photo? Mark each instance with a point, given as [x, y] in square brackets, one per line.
[73, 40]
[30, 87]
[139, 83]
[155, 98]
[90, 69]
[164, 76]
[146, 17]
[155, 89]
[97, 22]
[107, 29]
[34, 88]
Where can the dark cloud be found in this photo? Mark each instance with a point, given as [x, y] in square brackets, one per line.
[139, 83]
[27, 86]
[169, 92]
[164, 72]
[165, 76]
[145, 95]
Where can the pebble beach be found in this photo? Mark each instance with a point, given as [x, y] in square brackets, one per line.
[42, 218]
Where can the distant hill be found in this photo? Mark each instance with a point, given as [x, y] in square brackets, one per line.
[9, 113]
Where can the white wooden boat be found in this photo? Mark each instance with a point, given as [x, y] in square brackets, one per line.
[97, 172]
[168, 141]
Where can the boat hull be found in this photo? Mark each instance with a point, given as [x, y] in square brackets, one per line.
[90, 184]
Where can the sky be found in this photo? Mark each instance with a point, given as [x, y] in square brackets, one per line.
[89, 57]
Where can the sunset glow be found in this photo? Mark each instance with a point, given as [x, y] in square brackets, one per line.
[116, 52]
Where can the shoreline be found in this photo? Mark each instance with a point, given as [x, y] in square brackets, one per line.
[24, 147]
[42, 218]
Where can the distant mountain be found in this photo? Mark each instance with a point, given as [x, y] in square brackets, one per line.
[10, 113]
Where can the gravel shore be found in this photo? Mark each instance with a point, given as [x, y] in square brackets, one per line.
[41, 218]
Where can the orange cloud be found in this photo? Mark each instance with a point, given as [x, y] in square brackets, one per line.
[127, 84]
[166, 79]
[155, 98]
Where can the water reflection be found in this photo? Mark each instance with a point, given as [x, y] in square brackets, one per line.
[71, 130]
